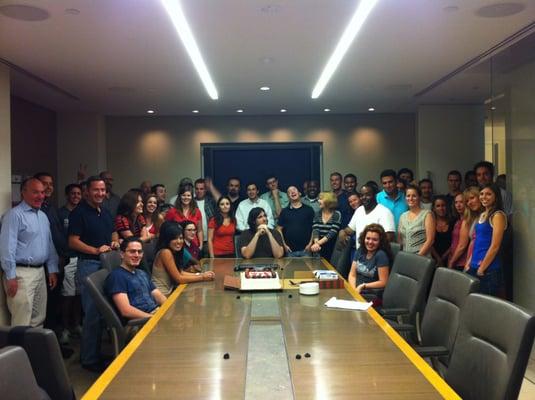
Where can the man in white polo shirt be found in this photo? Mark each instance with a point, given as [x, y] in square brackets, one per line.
[252, 201]
[368, 213]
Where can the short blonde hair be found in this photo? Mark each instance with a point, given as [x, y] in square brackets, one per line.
[330, 201]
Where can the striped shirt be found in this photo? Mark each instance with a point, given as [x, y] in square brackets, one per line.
[328, 229]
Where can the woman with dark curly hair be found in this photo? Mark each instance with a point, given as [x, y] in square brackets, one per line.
[186, 209]
[129, 220]
[371, 264]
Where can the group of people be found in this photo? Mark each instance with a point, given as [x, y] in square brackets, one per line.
[46, 251]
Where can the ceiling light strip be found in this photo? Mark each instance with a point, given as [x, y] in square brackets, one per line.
[363, 10]
[178, 18]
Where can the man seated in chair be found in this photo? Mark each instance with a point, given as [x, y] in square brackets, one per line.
[131, 289]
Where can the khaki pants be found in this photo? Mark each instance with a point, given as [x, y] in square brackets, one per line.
[28, 306]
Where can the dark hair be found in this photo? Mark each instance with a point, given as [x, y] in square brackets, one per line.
[253, 215]
[445, 200]
[39, 175]
[128, 203]
[251, 183]
[454, 214]
[233, 178]
[219, 217]
[469, 173]
[169, 231]
[353, 193]
[456, 173]
[338, 174]
[156, 186]
[178, 203]
[405, 170]
[426, 180]
[146, 200]
[94, 178]
[70, 187]
[351, 176]
[384, 244]
[269, 176]
[200, 180]
[128, 240]
[185, 223]
[372, 185]
[414, 187]
[26, 181]
[498, 204]
[485, 164]
[388, 172]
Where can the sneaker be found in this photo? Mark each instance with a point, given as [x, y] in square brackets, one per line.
[65, 337]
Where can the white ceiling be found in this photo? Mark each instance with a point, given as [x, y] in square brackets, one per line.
[131, 45]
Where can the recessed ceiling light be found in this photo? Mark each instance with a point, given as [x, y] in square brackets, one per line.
[24, 13]
[371, 109]
[326, 109]
[239, 110]
[283, 110]
[72, 11]
[265, 88]
[363, 10]
[178, 18]
[267, 60]
[150, 111]
[195, 111]
[493, 108]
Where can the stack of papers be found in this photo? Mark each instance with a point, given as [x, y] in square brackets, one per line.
[333, 302]
[323, 274]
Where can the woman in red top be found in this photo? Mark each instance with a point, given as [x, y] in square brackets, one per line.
[186, 210]
[129, 220]
[221, 230]
[152, 216]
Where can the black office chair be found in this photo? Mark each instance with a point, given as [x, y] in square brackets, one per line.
[441, 318]
[237, 251]
[492, 349]
[340, 259]
[120, 333]
[396, 248]
[407, 287]
[110, 260]
[16, 377]
[149, 253]
[42, 347]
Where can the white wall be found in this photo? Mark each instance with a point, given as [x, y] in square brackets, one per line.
[164, 149]
[449, 137]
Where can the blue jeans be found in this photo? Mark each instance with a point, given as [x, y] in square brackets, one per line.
[488, 283]
[92, 327]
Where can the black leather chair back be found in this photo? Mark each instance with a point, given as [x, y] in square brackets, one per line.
[95, 284]
[42, 347]
[492, 349]
[110, 260]
[149, 253]
[237, 250]
[16, 376]
[396, 247]
[340, 259]
[441, 318]
[408, 284]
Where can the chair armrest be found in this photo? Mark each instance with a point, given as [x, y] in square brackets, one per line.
[393, 312]
[137, 322]
[431, 351]
[403, 327]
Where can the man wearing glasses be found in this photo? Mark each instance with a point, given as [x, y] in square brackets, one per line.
[131, 289]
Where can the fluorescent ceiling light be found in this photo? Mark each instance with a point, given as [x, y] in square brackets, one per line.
[178, 18]
[327, 109]
[371, 109]
[265, 88]
[150, 111]
[239, 110]
[283, 110]
[195, 111]
[363, 10]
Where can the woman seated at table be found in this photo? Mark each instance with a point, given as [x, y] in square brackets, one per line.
[172, 260]
[190, 234]
[129, 220]
[259, 240]
[371, 265]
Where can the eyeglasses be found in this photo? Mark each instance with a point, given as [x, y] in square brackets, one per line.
[134, 251]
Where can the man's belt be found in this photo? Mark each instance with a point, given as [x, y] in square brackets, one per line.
[30, 265]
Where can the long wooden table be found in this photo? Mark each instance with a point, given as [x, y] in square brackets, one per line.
[180, 353]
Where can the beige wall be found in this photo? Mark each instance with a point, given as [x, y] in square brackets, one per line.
[164, 149]
[5, 142]
[449, 137]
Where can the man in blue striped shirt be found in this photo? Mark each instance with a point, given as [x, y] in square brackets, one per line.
[25, 248]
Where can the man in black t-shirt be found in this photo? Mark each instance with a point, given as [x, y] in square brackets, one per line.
[295, 224]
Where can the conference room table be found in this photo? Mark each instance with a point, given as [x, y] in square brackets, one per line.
[208, 342]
